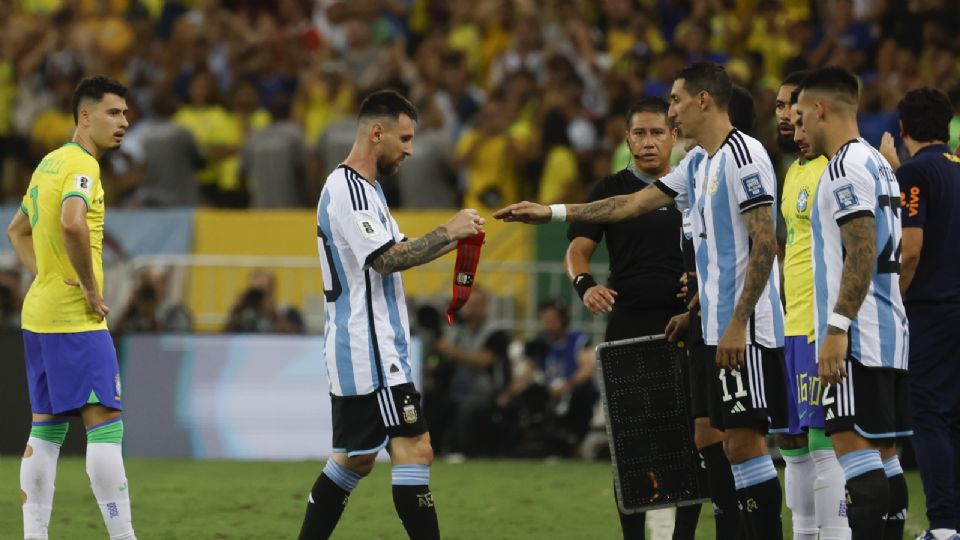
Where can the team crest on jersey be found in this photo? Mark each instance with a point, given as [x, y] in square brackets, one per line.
[846, 198]
[409, 413]
[83, 183]
[802, 200]
[753, 186]
[713, 186]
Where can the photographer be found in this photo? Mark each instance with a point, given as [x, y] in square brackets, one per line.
[256, 310]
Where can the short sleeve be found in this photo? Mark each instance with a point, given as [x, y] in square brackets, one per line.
[593, 231]
[82, 182]
[674, 183]
[752, 183]
[913, 195]
[852, 193]
[363, 231]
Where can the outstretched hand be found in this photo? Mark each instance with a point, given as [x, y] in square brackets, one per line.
[525, 212]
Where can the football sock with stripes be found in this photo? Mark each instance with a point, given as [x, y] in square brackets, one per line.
[38, 472]
[108, 479]
[828, 490]
[868, 493]
[759, 495]
[326, 501]
[414, 502]
[723, 492]
[897, 510]
[798, 486]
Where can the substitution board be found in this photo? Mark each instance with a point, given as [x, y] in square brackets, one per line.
[645, 391]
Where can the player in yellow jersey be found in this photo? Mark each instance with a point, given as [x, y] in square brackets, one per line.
[814, 479]
[71, 361]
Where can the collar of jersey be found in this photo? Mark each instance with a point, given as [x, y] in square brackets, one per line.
[933, 148]
[642, 177]
[360, 176]
[71, 143]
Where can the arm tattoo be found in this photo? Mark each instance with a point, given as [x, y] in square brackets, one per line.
[412, 253]
[860, 243]
[619, 207]
[763, 249]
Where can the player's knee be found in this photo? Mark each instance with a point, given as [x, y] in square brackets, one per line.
[423, 452]
[362, 465]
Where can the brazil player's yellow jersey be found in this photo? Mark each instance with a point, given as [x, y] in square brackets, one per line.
[799, 188]
[51, 305]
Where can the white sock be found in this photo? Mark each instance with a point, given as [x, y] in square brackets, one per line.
[108, 479]
[829, 496]
[943, 534]
[799, 480]
[38, 471]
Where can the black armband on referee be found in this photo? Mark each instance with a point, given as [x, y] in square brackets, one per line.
[583, 282]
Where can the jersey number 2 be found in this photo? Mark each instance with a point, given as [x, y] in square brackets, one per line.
[329, 270]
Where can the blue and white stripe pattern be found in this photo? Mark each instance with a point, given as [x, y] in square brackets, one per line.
[366, 330]
[343, 477]
[892, 467]
[860, 462]
[718, 189]
[753, 471]
[858, 182]
[411, 475]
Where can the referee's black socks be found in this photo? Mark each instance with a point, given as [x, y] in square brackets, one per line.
[414, 502]
[327, 500]
[868, 493]
[759, 497]
[897, 509]
[723, 493]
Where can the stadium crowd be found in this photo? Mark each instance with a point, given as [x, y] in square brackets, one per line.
[237, 103]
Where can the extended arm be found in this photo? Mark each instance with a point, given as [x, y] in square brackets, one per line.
[609, 210]
[438, 242]
[21, 238]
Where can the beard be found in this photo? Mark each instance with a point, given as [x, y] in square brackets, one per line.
[786, 143]
[387, 168]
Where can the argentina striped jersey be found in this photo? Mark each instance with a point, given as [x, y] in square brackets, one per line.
[718, 189]
[859, 182]
[366, 330]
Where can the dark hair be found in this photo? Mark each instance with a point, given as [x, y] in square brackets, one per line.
[554, 130]
[926, 113]
[559, 307]
[95, 88]
[835, 80]
[649, 105]
[795, 96]
[742, 111]
[710, 78]
[387, 103]
[795, 78]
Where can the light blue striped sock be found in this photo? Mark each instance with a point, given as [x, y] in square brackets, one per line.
[860, 462]
[753, 471]
[892, 467]
[343, 477]
[411, 475]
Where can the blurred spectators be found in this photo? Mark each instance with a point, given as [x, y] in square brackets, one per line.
[170, 157]
[559, 368]
[478, 352]
[11, 300]
[427, 178]
[497, 70]
[274, 159]
[256, 310]
[148, 310]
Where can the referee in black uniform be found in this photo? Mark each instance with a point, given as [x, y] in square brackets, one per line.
[645, 261]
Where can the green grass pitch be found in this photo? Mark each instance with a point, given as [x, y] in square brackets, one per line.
[223, 500]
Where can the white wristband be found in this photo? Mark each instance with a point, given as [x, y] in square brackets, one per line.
[558, 212]
[837, 320]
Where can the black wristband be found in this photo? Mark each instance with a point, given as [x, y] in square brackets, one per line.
[583, 282]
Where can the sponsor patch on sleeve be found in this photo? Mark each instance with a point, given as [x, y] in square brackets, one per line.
[368, 226]
[83, 183]
[752, 186]
[846, 197]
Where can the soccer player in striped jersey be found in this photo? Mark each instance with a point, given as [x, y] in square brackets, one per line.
[728, 181]
[861, 324]
[367, 333]
[71, 360]
[813, 481]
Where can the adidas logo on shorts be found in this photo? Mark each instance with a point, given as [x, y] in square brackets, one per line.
[830, 415]
[738, 408]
